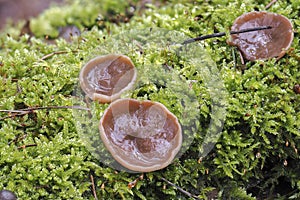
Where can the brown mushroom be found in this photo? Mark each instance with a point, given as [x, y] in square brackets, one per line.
[262, 44]
[105, 78]
[142, 136]
[297, 89]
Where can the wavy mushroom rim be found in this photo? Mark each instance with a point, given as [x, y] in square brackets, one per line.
[238, 23]
[102, 98]
[113, 149]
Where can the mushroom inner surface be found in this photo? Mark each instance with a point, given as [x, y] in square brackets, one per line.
[109, 76]
[144, 134]
[266, 43]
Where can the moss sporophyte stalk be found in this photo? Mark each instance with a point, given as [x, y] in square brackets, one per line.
[239, 120]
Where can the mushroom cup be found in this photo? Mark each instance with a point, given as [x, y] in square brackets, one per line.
[262, 44]
[105, 78]
[142, 136]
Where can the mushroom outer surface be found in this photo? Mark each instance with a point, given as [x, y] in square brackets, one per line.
[262, 44]
[143, 136]
[105, 78]
[7, 195]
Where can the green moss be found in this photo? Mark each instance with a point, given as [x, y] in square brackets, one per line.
[256, 154]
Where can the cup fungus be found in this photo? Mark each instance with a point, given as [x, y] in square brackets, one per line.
[262, 44]
[142, 136]
[7, 195]
[105, 78]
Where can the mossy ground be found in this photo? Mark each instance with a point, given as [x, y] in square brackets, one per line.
[43, 157]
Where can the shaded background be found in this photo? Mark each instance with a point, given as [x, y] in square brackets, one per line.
[22, 9]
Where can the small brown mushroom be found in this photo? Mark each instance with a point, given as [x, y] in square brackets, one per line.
[262, 44]
[69, 32]
[105, 78]
[297, 89]
[142, 136]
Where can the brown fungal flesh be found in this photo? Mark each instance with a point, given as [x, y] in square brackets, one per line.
[262, 44]
[142, 136]
[105, 78]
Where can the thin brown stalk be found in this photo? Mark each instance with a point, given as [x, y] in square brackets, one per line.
[56, 53]
[221, 34]
[55, 107]
[14, 115]
[28, 145]
[17, 139]
[25, 111]
[270, 4]
[180, 189]
[45, 108]
[93, 187]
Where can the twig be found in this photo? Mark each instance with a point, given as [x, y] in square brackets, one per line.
[93, 187]
[28, 145]
[180, 189]
[13, 111]
[30, 110]
[204, 37]
[12, 116]
[56, 53]
[45, 108]
[18, 138]
[270, 4]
